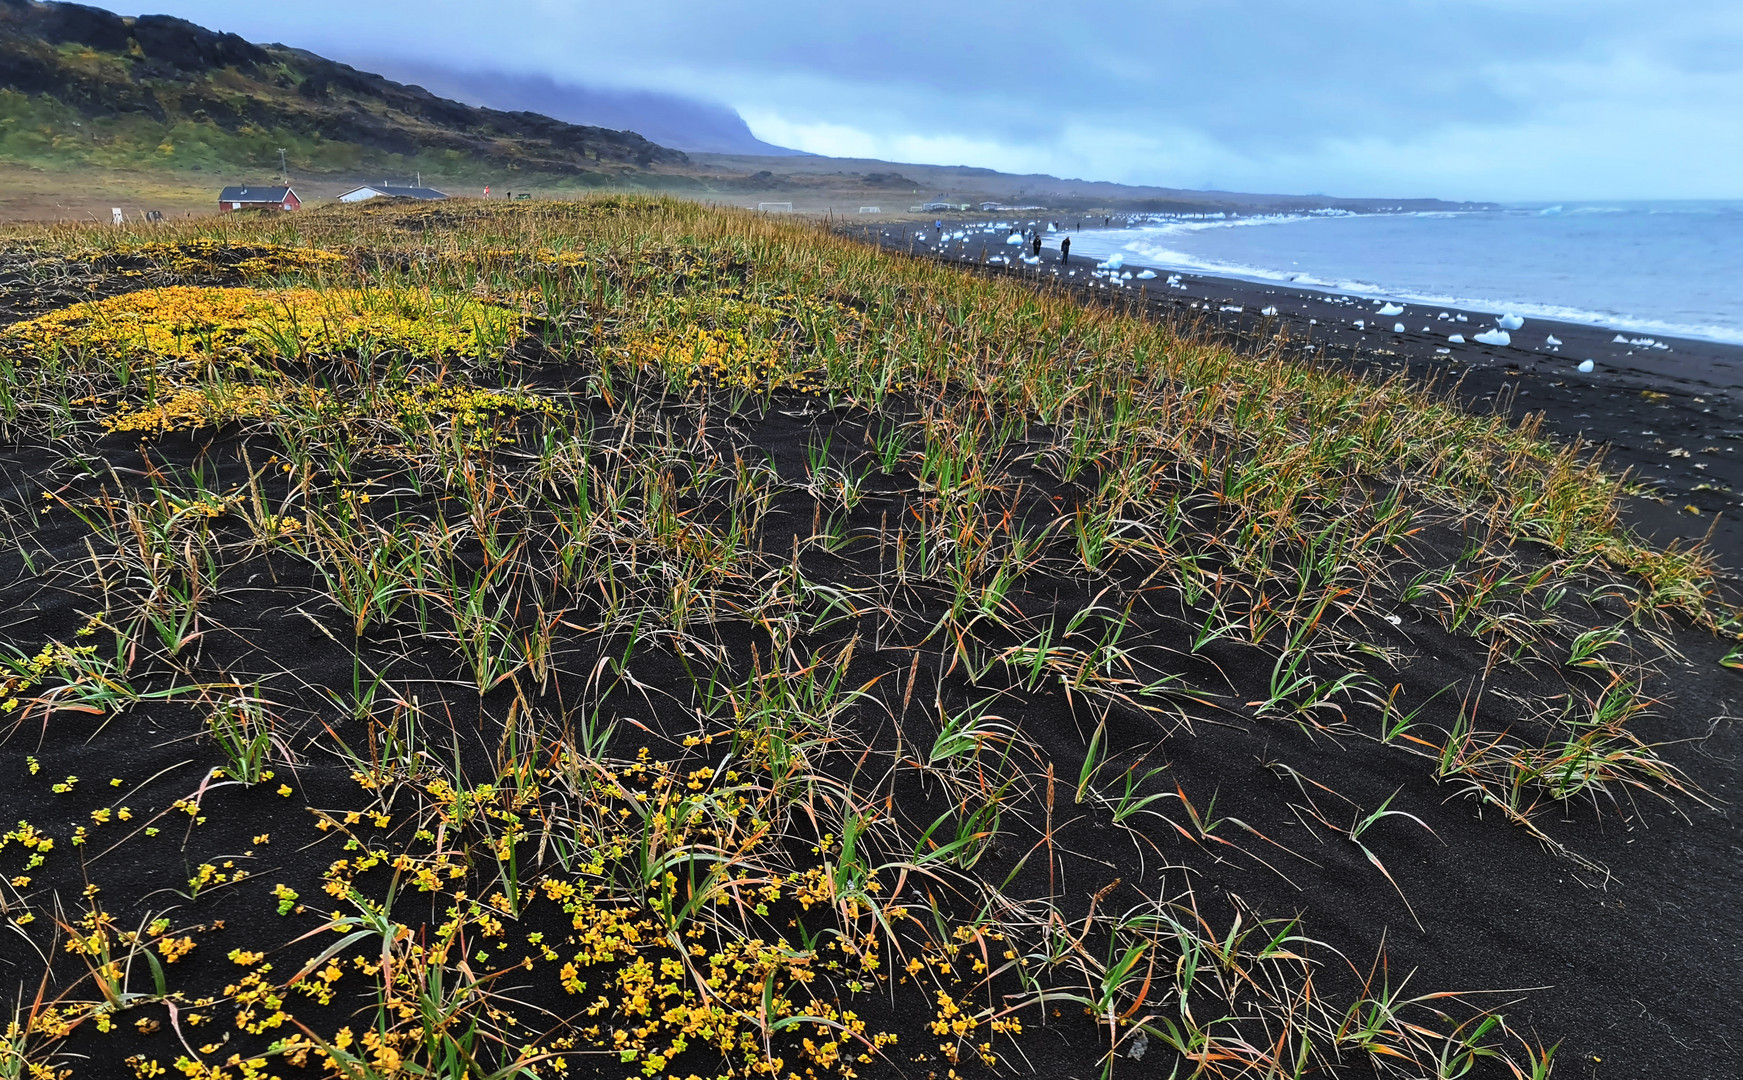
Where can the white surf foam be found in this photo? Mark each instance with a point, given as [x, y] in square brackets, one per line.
[1145, 249]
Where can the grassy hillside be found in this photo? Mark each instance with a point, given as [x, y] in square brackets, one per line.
[82, 87]
[623, 639]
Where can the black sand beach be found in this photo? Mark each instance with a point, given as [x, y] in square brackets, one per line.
[1190, 738]
[1638, 970]
[1673, 416]
[1670, 413]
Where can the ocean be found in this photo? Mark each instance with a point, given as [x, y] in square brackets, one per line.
[1672, 269]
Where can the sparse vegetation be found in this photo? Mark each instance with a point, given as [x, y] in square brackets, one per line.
[620, 638]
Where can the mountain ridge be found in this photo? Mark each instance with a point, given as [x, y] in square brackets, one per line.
[682, 123]
[99, 110]
[81, 84]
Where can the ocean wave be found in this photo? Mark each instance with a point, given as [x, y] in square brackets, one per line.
[1142, 252]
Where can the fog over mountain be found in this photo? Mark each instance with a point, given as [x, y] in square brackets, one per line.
[1483, 99]
[668, 119]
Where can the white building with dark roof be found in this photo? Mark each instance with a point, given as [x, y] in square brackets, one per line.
[390, 191]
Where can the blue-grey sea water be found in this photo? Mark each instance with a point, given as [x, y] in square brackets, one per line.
[1673, 269]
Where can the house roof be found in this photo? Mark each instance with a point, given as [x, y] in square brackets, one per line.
[255, 194]
[395, 192]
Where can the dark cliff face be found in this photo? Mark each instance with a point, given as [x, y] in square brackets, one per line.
[173, 71]
[67, 24]
[167, 44]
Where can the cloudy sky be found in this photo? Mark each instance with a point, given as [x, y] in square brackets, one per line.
[1482, 99]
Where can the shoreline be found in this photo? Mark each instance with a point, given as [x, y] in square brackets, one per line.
[1672, 417]
[1533, 310]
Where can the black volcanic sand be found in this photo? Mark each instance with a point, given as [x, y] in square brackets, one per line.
[1640, 974]
[1672, 416]
[1634, 967]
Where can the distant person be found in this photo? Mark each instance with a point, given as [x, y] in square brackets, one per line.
[1065, 249]
[1037, 243]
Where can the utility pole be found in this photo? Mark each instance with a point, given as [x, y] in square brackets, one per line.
[283, 169]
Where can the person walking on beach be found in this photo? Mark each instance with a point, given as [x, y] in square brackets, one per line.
[1064, 249]
[1037, 243]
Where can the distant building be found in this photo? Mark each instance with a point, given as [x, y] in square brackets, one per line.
[390, 191]
[257, 198]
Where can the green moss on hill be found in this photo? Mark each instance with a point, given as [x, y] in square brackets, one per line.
[83, 87]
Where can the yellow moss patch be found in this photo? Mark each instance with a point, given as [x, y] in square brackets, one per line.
[200, 323]
[696, 355]
[207, 256]
[208, 405]
[740, 344]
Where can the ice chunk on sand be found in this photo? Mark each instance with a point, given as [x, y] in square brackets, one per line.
[1173, 279]
[1460, 318]
[1114, 263]
[1361, 324]
[1236, 308]
[1268, 311]
[1014, 238]
[1586, 367]
[1146, 275]
[1457, 339]
[1398, 328]
[1495, 337]
[1510, 322]
[1443, 352]
[1391, 309]
[1618, 340]
[1553, 341]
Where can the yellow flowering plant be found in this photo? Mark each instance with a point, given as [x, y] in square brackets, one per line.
[206, 324]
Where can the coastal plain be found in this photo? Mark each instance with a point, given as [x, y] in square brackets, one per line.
[1655, 950]
[625, 638]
